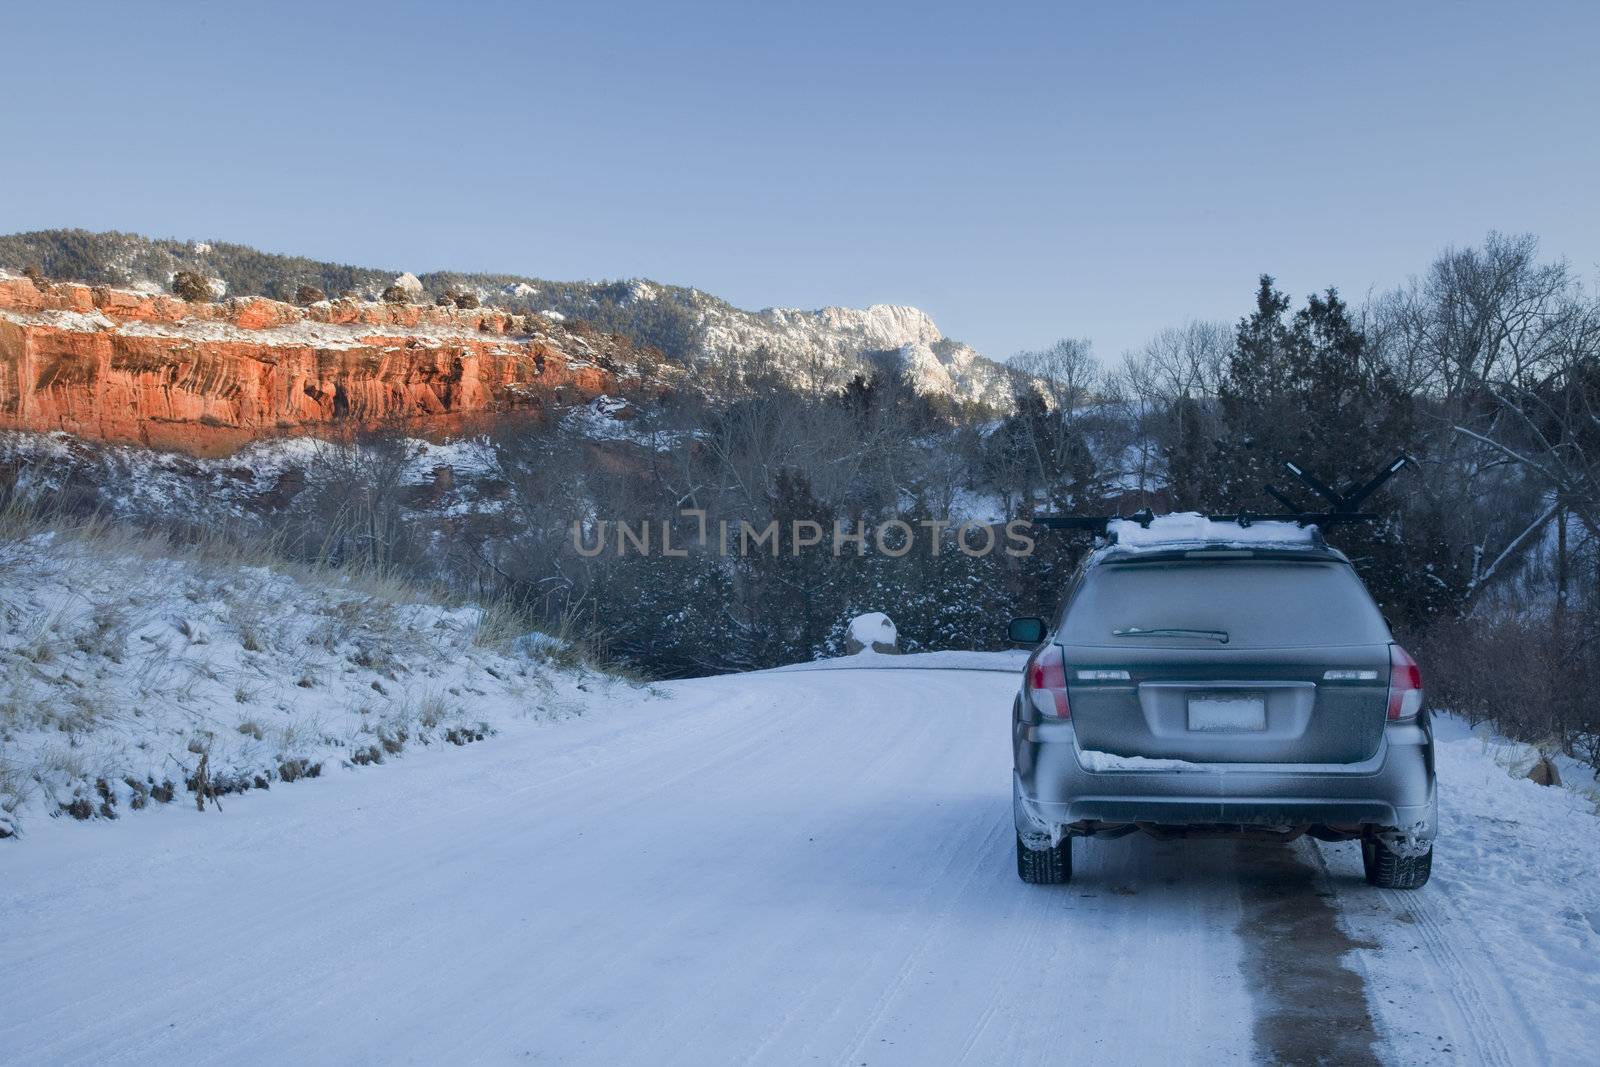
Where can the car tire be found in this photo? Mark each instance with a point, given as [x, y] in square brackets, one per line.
[1051, 865]
[1388, 869]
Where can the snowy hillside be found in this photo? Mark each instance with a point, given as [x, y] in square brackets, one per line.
[129, 482]
[135, 676]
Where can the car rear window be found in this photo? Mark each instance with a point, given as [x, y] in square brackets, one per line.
[1257, 603]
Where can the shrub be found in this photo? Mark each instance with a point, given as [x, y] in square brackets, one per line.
[35, 274]
[396, 294]
[191, 286]
[1516, 671]
[308, 294]
[458, 298]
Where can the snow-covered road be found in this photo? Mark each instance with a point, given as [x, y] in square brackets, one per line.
[812, 866]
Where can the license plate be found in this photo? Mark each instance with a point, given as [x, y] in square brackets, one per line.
[1225, 713]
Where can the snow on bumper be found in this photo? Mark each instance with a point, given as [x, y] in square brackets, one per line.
[1059, 785]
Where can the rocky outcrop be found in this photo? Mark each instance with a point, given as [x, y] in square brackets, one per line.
[829, 346]
[205, 378]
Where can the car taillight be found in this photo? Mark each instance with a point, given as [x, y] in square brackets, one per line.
[1047, 682]
[1405, 685]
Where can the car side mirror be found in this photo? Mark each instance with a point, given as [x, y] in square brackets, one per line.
[1028, 630]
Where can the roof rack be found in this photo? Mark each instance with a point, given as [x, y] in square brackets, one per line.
[1342, 505]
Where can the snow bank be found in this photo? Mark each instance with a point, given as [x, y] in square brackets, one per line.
[1498, 951]
[130, 677]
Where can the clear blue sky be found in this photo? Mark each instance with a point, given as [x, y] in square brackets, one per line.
[1022, 172]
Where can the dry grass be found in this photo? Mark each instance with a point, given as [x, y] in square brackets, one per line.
[431, 710]
[16, 787]
[499, 625]
[41, 639]
[216, 547]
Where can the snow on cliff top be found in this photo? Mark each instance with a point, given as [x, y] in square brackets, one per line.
[302, 333]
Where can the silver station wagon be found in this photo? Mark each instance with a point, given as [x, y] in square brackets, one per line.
[1206, 678]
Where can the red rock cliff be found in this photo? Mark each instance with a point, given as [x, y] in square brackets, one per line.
[206, 378]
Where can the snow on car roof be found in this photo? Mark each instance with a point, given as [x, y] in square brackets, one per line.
[1192, 528]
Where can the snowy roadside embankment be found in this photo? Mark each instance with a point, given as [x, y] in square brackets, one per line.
[1498, 958]
[131, 676]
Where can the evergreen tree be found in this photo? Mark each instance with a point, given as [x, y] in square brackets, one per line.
[1308, 388]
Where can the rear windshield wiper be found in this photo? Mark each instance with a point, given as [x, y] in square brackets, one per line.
[1171, 631]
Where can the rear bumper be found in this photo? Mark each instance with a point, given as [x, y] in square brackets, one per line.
[1394, 790]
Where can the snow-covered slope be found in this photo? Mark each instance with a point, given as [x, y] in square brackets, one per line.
[132, 677]
[133, 483]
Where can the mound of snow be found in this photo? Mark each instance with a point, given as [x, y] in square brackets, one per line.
[872, 632]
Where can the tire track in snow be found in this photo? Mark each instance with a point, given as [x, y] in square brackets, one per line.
[1003, 991]
[787, 773]
[979, 858]
[949, 851]
[1475, 1013]
[1486, 1007]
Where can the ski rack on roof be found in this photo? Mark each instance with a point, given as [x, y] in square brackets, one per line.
[1343, 505]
